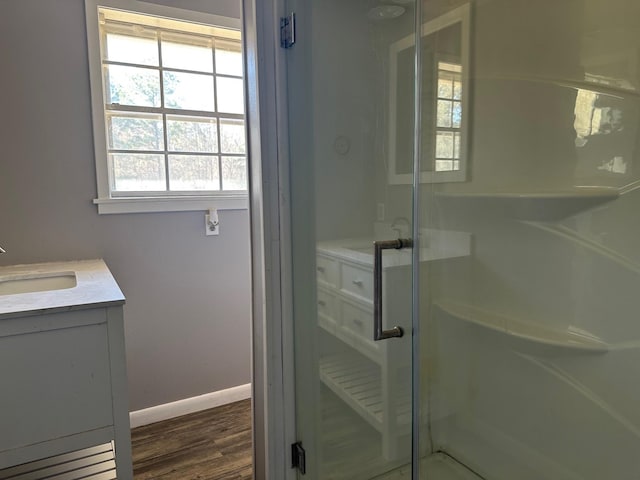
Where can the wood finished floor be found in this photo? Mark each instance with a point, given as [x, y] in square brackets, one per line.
[214, 444]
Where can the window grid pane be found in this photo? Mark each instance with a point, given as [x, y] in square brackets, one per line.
[448, 117]
[188, 91]
[135, 132]
[129, 46]
[192, 134]
[232, 101]
[194, 172]
[234, 173]
[178, 142]
[132, 86]
[232, 136]
[186, 52]
[228, 58]
[444, 113]
[138, 172]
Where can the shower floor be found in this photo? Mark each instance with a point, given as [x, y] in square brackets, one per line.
[351, 450]
[435, 467]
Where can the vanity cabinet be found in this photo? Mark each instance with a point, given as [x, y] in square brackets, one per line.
[64, 407]
[372, 377]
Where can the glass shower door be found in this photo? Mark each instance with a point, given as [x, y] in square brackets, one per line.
[530, 340]
[528, 260]
[353, 392]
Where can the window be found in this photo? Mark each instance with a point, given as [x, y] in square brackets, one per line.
[167, 96]
[449, 117]
[444, 101]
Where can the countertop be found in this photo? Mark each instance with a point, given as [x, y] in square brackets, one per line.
[95, 288]
[438, 245]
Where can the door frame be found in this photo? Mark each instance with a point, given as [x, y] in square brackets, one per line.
[273, 374]
[273, 384]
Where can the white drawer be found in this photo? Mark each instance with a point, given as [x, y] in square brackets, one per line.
[357, 281]
[326, 305]
[358, 321]
[326, 271]
[327, 311]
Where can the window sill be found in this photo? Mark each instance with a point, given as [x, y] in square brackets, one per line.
[108, 206]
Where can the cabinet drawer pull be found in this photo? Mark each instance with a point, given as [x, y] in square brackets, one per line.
[358, 322]
[322, 303]
[357, 283]
[320, 269]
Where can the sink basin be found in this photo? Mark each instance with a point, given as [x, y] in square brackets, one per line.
[37, 282]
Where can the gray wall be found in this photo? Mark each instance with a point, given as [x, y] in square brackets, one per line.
[188, 296]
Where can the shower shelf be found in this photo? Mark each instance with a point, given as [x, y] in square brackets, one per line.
[541, 205]
[572, 339]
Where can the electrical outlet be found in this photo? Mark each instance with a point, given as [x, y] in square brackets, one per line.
[211, 223]
[380, 213]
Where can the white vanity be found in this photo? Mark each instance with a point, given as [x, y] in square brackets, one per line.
[373, 377]
[64, 405]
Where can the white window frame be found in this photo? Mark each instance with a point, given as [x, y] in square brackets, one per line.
[460, 15]
[106, 202]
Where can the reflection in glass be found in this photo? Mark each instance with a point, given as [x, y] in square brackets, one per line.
[444, 145]
[603, 124]
[134, 172]
[444, 113]
[457, 90]
[445, 88]
[449, 117]
[444, 53]
[456, 115]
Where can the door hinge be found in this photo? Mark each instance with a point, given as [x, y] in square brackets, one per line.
[298, 457]
[288, 30]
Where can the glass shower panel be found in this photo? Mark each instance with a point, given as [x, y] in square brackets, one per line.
[530, 344]
[353, 394]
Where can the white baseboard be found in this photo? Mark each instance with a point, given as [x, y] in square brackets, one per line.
[189, 405]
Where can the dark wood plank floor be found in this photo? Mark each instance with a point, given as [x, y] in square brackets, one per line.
[213, 444]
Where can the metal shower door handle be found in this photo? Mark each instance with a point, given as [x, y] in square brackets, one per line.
[379, 246]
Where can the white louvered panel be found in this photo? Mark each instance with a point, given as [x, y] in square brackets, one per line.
[357, 382]
[95, 463]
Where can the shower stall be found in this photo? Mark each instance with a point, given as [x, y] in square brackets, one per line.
[465, 218]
